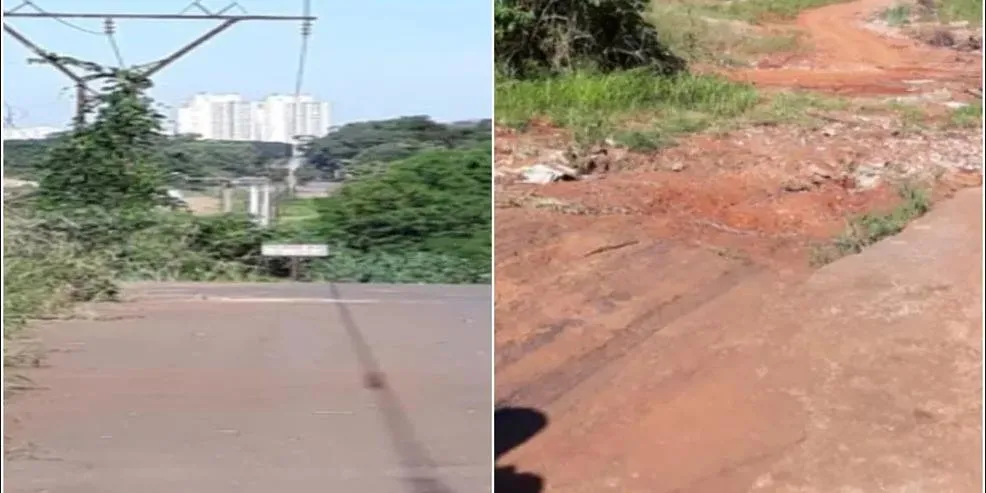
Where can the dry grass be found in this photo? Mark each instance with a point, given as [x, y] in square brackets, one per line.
[701, 34]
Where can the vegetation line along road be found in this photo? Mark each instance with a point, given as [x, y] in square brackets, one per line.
[414, 206]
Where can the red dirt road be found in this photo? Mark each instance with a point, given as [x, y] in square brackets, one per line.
[664, 319]
[257, 389]
[847, 58]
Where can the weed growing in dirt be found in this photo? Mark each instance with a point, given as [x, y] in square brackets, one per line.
[970, 116]
[765, 10]
[867, 229]
[794, 107]
[970, 11]
[897, 15]
[595, 105]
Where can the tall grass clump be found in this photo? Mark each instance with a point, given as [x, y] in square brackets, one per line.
[44, 272]
[566, 99]
[596, 105]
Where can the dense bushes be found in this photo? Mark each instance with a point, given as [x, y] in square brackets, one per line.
[180, 157]
[537, 37]
[362, 148]
[437, 201]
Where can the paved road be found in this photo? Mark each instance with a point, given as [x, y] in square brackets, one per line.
[256, 388]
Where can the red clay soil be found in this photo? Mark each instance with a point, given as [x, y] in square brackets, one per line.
[665, 319]
[847, 58]
[662, 368]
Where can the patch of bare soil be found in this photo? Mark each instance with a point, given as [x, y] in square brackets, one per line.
[203, 204]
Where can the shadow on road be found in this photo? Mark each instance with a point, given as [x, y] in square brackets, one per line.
[511, 427]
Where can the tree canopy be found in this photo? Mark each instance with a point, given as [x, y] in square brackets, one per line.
[355, 147]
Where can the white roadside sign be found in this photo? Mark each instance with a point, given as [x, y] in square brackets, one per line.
[297, 250]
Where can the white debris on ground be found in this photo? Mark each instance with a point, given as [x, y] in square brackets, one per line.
[541, 174]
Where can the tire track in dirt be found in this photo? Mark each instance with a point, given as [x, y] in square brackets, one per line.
[549, 387]
[848, 58]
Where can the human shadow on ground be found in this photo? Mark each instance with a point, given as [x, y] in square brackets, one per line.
[513, 426]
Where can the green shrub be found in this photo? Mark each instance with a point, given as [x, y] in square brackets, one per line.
[550, 37]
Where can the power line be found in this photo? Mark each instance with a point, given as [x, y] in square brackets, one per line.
[110, 30]
[59, 20]
[81, 82]
[108, 27]
[197, 4]
[306, 31]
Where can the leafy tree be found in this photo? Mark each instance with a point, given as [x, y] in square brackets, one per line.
[355, 147]
[109, 163]
[538, 37]
[183, 155]
[436, 201]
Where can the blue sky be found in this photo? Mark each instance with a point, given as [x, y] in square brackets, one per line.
[371, 59]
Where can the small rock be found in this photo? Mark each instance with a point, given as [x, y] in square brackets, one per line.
[677, 166]
[820, 172]
[867, 181]
[543, 174]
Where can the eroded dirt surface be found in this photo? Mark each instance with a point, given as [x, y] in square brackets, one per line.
[849, 58]
[667, 369]
[665, 319]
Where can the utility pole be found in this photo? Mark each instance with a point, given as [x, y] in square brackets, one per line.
[296, 161]
[82, 82]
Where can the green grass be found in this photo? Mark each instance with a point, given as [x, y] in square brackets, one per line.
[970, 116]
[794, 107]
[290, 210]
[761, 10]
[597, 106]
[897, 15]
[642, 112]
[867, 229]
[962, 10]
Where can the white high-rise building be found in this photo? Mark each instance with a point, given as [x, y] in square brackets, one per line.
[278, 118]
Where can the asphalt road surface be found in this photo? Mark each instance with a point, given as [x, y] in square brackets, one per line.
[259, 388]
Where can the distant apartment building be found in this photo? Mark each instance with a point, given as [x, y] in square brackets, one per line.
[278, 118]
